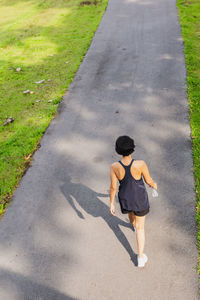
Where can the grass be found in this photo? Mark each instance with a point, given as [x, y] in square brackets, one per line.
[47, 39]
[189, 11]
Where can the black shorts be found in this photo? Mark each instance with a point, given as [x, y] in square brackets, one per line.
[137, 213]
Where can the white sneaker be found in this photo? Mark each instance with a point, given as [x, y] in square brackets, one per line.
[145, 258]
[142, 260]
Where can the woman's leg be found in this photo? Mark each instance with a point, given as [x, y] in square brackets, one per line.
[140, 234]
[131, 216]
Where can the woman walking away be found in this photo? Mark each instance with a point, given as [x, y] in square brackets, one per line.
[133, 197]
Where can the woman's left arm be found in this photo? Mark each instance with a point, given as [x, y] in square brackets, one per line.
[113, 189]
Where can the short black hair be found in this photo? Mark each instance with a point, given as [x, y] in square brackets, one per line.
[124, 145]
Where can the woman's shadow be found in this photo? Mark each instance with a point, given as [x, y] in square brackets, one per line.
[89, 201]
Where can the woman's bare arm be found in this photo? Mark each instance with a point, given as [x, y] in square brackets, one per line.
[147, 177]
[113, 189]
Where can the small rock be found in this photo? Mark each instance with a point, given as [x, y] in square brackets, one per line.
[37, 101]
[18, 69]
[9, 120]
[66, 62]
[48, 79]
[116, 111]
[40, 81]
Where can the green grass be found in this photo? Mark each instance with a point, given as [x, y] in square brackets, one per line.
[189, 11]
[30, 32]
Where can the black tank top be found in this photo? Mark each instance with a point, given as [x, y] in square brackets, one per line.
[132, 192]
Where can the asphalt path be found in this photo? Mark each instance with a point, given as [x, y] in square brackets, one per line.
[57, 239]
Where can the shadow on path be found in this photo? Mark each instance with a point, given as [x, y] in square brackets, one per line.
[25, 288]
[89, 201]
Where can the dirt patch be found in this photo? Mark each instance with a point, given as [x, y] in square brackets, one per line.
[95, 2]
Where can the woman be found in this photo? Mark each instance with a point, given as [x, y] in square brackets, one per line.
[133, 197]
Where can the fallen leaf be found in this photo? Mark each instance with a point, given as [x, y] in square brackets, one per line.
[50, 101]
[9, 120]
[27, 91]
[27, 157]
[40, 81]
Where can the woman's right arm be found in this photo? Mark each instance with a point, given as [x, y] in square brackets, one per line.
[147, 177]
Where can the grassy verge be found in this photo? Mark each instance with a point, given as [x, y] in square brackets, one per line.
[47, 39]
[189, 11]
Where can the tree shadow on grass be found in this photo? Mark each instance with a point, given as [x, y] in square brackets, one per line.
[44, 4]
[90, 202]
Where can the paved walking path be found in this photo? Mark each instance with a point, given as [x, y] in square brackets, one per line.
[58, 240]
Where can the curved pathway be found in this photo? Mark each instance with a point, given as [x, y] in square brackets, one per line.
[57, 239]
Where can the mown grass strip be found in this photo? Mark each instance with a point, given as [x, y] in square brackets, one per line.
[189, 11]
[47, 39]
